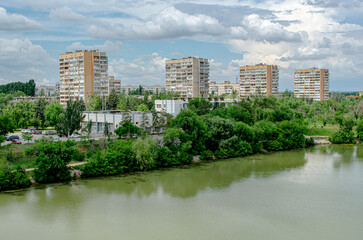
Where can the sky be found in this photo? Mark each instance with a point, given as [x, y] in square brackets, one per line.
[138, 36]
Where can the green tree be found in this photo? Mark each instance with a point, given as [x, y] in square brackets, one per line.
[22, 113]
[112, 100]
[88, 129]
[40, 110]
[6, 125]
[145, 152]
[360, 131]
[94, 103]
[11, 179]
[143, 108]
[127, 129]
[51, 163]
[70, 121]
[52, 112]
[106, 132]
[200, 105]
[27, 136]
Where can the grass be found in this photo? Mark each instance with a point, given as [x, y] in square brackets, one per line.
[328, 130]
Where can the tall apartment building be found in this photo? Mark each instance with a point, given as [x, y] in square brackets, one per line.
[260, 79]
[312, 83]
[226, 88]
[81, 74]
[113, 84]
[188, 76]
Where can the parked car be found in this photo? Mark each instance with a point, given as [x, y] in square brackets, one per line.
[75, 135]
[51, 133]
[10, 138]
[25, 131]
[37, 132]
[15, 141]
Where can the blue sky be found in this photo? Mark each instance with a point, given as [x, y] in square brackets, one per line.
[138, 36]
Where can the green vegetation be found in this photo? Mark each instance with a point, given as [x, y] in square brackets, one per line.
[28, 88]
[250, 126]
[11, 179]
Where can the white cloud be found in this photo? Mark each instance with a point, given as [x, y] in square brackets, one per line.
[21, 60]
[144, 70]
[168, 24]
[16, 22]
[66, 14]
[108, 47]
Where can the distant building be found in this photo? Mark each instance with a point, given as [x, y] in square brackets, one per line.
[173, 107]
[114, 118]
[361, 94]
[188, 76]
[33, 99]
[227, 88]
[260, 79]
[312, 83]
[113, 84]
[45, 91]
[84, 73]
[153, 89]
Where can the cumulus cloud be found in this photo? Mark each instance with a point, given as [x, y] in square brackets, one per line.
[21, 60]
[168, 24]
[17, 22]
[66, 14]
[108, 46]
[144, 70]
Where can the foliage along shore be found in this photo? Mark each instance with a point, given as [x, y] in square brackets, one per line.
[210, 131]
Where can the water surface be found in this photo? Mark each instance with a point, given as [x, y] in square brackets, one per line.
[305, 194]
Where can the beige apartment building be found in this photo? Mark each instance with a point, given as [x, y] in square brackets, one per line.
[227, 88]
[113, 84]
[81, 74]
[312, 83]
[188, 76]
[260, 79]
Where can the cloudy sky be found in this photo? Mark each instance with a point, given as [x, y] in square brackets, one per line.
[139, 35]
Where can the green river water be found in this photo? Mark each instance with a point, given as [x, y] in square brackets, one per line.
[315, 193]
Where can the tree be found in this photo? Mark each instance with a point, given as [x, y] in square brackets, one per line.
[70, 121]
[112, 100]
[52, 160]
[52, 112]
[94, 103]
[200, 105]
[143, 108]
[145, 152]
[6, 125]
[22, 113]
[39, 111]
[28, 88]
[106, 131]
[127, 129]
[360, 131]
[27, 136]
[88, 129]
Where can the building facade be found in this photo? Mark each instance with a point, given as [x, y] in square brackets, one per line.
[312, 83]
[260, 79]
[81, 74]
[188, 76]
[113, 84]
[224, 89]
[173, 107]
[45, 91]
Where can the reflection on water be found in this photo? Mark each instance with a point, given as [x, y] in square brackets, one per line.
[302, 176]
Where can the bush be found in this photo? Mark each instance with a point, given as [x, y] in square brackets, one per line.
[360, 131]
[233, 147]
[144, 149]
[342, 137]
[51, 164]
[206, 155]
[118, 158]
[12, 179]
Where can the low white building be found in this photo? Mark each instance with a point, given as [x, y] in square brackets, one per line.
[173, 107]
[114, 117]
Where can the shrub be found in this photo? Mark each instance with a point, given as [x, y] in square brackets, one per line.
[206, 155]
[51, 164]
[341, 137]
[12, 179]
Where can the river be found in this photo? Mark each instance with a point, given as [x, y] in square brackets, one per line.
[315, 193]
